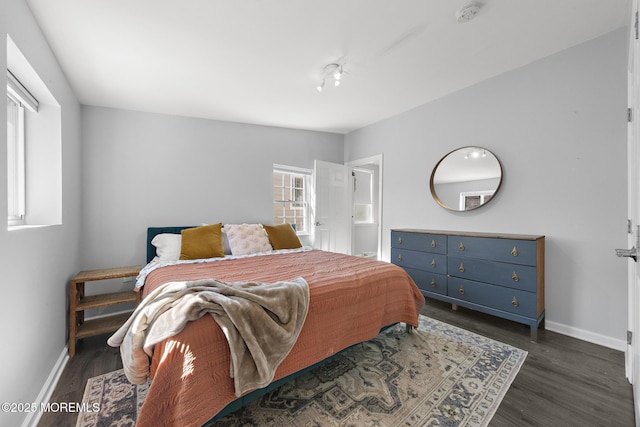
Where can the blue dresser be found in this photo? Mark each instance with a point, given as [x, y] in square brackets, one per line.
[497, 274]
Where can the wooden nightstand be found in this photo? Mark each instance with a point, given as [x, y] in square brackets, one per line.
[78, 303]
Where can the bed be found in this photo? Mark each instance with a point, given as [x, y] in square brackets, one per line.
[350, 300]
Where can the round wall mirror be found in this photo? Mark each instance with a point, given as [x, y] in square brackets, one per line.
[466, 178]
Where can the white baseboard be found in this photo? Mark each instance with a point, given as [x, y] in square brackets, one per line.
[583, 335]
[33, 418]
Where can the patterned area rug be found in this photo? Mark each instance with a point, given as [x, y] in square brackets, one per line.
[439, 375]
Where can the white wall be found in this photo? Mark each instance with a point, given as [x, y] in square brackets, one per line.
[144, 169]
[558, 126]
[36, 264]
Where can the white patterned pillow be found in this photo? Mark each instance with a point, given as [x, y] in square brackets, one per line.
[247, 239]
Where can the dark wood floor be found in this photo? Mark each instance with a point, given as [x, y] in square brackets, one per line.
[563, 382]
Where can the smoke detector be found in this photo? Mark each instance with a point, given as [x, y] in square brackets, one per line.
[468, 12]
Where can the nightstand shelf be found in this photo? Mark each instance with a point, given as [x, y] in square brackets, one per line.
[102, 325]
[78, 303]
[105, 300]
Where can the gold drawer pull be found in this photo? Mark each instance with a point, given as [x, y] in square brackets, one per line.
[515, 277]
[461, 290]
[400, 239]
[433, 263]
[433, 283]
[461, 246]
[433, 243]
[514, 302]
[461, 268]
[514, 251]
[400, 257]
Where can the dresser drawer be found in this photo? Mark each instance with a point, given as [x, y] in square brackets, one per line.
[435, 243]
[428, 281]
[435, 263]
[506, 250]
[510, 300]
[524, 277]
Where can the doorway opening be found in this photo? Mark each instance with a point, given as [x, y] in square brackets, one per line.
[366, 237]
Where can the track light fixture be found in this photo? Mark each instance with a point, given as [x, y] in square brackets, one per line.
[476, 153]
[331, 72]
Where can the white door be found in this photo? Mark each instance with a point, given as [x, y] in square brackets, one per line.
[332, 207]
[632, 360]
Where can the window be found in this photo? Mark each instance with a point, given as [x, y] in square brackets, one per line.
[472, 199]
[363, 196]
[18, 97]
[291, 188]
[34, 146]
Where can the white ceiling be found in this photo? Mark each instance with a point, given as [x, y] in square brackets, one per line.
[259, 61]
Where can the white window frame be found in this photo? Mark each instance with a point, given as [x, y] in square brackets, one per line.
[18, 98]
[482, 193]
[372, 213]
[304, 204]
[16, 193]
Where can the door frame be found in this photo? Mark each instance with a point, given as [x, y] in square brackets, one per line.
[375, 160]
[632, 353]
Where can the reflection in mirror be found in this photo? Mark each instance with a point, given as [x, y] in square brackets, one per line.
[466, 178]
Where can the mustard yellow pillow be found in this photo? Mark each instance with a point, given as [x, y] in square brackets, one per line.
[202, 242]
[282, 236]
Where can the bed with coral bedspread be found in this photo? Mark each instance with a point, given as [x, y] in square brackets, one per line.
[351, 299]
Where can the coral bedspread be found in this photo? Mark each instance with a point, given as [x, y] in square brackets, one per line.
[351, 299]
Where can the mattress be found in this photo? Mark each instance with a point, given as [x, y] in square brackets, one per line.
[351, 299]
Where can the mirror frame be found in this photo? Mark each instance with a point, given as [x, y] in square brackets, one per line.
[435, 168]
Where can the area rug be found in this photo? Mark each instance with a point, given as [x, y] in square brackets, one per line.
[439, 375]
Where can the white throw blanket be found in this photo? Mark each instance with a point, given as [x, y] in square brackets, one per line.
[261, 321]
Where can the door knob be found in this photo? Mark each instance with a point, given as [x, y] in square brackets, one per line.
[318, 223]
[628, 253]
